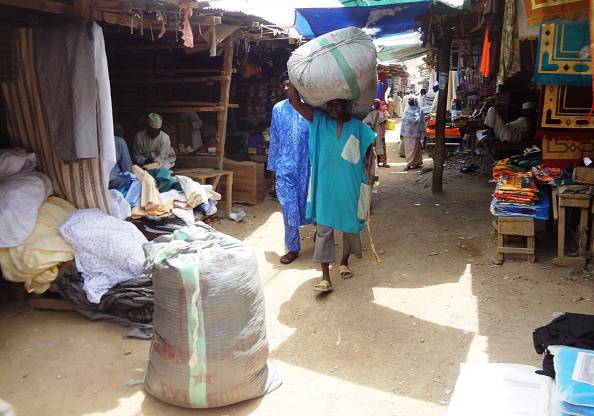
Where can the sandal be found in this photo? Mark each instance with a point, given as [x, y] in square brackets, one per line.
[289, 258]
[345, 272]
[323, 286]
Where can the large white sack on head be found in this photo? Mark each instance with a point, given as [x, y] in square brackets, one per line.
[209, 346]
[337, 65]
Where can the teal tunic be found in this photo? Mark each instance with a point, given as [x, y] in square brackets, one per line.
[338, 193]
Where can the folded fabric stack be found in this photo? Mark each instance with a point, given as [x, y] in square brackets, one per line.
[506, 167]
[575, 380]
[516, 194]
[523, 163]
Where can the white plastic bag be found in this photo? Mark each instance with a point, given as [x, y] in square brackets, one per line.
[338, 65]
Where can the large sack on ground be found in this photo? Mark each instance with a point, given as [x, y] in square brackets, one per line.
[338, 65]
[209, 346]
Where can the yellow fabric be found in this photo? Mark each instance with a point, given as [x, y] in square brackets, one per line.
[150, 200]
[36, 261]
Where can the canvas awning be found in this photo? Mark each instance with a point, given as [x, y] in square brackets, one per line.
[398, 17]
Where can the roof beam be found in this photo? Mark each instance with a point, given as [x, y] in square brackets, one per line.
[47, 6]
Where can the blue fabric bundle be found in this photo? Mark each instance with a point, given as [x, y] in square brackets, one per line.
[575, 380]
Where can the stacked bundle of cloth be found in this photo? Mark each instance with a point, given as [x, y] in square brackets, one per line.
[156, 192]
[524, 162]
[515, 194]
[31, 248]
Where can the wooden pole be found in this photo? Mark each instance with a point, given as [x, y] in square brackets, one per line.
[443, 66]
[224, 100]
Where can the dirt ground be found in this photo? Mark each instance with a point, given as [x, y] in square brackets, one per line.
[387, 342]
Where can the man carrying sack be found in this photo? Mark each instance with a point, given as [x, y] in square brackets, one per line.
[341, 158]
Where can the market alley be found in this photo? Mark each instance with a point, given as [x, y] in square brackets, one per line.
[387, 342]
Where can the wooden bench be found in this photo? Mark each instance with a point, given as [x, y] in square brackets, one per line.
[203, 175]
[515, 226]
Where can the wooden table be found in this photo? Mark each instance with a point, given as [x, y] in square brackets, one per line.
[581, 202]
[203, 175]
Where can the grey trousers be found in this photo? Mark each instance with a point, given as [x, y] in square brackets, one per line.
[325, 251]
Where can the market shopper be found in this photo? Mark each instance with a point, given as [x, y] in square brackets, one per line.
[413, 130]
[516, 130]
[153, 145]
[288, 158]
[342, 158]
[123, 160]
[376, 120]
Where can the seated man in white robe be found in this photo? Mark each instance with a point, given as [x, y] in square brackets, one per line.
[513, 131]
[153, 145]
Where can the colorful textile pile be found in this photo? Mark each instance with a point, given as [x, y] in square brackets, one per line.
[518, 164]
[541, 10]
[517, 189]
[540, 210]
[506, 167]
[516, 195]
[547, 174]
[563, 56]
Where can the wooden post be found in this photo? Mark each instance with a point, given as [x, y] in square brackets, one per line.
[224, 100]
[443, 67]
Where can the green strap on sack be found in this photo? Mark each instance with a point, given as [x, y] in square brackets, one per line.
[344, 67]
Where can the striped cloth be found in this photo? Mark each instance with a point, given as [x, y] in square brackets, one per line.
[80, 182]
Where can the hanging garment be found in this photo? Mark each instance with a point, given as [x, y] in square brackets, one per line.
[35, 262]
[80, 182]
[107, 250]
[509, 61]
[65, 62]
[486, 56]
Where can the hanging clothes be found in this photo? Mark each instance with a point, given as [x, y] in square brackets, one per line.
[486, 56]
[509, 61]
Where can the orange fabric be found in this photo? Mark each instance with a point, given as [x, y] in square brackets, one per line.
[486, 57]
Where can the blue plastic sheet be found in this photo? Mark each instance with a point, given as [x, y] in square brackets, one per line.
[574, 369]
[384, 20]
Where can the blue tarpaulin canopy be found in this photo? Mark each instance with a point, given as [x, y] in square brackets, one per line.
[383, 18]
[379, 20]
